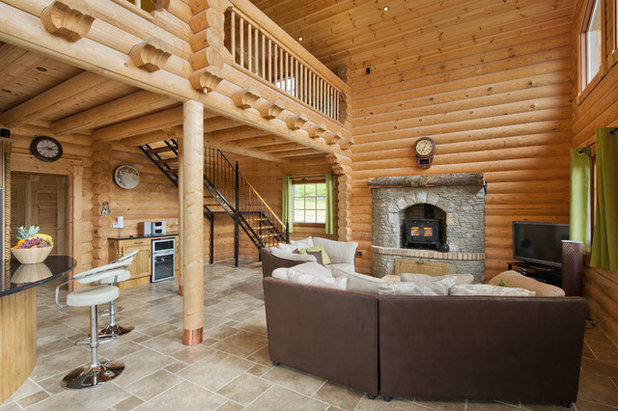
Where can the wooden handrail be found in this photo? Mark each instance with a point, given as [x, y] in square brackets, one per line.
[264, 202]
[251, 13]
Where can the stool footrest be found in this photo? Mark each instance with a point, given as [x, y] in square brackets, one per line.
[115, 330]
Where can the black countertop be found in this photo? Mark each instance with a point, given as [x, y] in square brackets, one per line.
[18, 277]
[137, 237]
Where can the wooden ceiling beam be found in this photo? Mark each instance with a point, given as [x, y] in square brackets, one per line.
[239, 133]
[28, 109]
[120, 109]
[141, 125]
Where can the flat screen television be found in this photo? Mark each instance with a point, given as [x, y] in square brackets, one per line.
[539, 243]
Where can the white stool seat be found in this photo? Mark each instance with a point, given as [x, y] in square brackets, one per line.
[89, 296]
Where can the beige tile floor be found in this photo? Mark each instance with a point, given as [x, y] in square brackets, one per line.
[231, 369]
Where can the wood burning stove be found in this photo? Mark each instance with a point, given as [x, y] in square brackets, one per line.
[422, 232]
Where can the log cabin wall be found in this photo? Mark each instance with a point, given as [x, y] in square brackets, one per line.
[593, 109]
[500, 106]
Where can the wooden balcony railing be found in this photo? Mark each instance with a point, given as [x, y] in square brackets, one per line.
[260, 47]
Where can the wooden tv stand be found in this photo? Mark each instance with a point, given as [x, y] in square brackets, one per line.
[550, 275]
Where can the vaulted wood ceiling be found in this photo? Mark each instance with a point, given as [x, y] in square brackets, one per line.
[360, 34]
[41, 95]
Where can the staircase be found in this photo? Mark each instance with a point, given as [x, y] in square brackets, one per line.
[226, 191]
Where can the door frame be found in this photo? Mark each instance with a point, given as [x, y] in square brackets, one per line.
[74, 170]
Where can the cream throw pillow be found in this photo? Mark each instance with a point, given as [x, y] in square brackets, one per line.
[439, 286]
[357, 281]
[339, 252]
[300, 277]
[514, 279]
[487, 289]
[311, 268]
[459, 278]
[304, 243]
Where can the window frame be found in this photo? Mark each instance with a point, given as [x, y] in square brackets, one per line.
[305, 182]
[612, 11]
[585, 86]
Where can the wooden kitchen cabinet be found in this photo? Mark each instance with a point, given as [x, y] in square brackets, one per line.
[141, 266]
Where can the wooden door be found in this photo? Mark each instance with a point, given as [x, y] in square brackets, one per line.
[40, 199]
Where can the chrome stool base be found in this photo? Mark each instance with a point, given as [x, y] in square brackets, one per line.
[87, 376]
[114, 330]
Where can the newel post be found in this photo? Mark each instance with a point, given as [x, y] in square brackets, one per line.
[193, 222]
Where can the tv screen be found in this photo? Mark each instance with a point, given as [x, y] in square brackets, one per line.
[539, 243]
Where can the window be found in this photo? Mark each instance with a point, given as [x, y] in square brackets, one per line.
[287, 84]
[591, 43]
[309, 203]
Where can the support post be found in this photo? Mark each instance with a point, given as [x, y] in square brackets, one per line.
[181, 219]
[236, 214]
[212, 239]
[193, 222]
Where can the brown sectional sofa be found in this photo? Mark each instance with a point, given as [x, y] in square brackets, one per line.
[484, 348]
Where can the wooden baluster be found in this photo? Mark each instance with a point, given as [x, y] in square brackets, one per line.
[138, 3]
[337, 105]
[286, 77]
[281, 74]
[249, 46]
[256, 53]
[296, 80]
[242, 42]
[275, 64]
[270, 61]
[233, 35]
[264, 56]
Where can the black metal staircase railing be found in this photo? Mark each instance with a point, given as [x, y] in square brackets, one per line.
[229, 192]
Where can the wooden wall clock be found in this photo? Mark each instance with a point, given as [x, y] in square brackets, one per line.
[424, 149]
[46, 148]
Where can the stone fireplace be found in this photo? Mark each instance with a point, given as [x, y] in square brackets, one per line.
[456, 200]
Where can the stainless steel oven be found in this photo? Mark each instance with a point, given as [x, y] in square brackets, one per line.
[163, 259]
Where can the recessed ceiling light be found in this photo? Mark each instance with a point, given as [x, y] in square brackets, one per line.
[6, 90]
[300, 38]
[385, 8]
[43, 69]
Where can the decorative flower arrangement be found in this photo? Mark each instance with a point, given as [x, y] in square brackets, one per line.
[33, 247]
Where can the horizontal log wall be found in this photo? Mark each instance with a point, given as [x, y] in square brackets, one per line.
[499, 107]
[599, 108]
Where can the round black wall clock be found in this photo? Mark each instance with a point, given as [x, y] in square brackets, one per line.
[46, 148]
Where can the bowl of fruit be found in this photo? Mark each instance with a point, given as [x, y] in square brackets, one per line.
[32, 247]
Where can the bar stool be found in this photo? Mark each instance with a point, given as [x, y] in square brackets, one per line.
[95, 373]
[113, 329]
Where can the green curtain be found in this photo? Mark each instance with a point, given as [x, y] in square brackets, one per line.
[605, 239]
[580, 197]
[287, 202]
[329, 226]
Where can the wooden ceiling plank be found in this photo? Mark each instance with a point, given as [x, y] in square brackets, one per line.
[117, 110]
[28, 109]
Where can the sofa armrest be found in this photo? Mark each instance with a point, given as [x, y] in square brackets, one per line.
[270, 262]
[327, 332]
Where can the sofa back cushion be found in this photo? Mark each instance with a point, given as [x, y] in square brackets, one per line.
[459, 278]
[433, 286]
[339, 252]
[359, 282]
[488, 289]
[514, 279]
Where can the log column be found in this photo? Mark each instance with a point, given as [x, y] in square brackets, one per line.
[193, 221]
[181, 218]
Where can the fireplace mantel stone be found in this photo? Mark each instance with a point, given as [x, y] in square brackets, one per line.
[432, 180]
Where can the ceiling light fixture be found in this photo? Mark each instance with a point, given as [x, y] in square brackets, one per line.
[385, 8]
[300, 38]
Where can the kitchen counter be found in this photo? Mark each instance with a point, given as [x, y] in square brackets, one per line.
[18, 324]
[137, 237]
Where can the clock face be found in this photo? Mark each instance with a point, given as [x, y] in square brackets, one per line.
[46, 148]
[424, 147]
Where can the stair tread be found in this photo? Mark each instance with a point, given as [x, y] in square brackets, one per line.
[159, 149]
